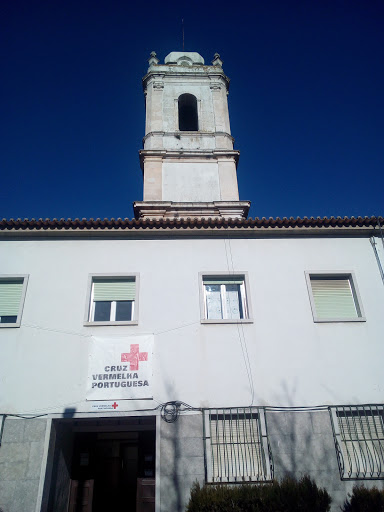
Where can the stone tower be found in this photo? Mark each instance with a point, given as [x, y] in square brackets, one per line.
[188, 160]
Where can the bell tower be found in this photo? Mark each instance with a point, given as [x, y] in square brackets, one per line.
[188, 160]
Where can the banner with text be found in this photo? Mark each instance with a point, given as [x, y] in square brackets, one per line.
[120, 368]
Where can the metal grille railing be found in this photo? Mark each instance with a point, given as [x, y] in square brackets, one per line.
[238, 446]
[359, 440]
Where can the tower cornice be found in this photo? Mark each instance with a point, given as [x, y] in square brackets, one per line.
[194, 155]
[161, 72]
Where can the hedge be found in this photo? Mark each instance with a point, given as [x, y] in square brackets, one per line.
[365, 500]
[289, 495]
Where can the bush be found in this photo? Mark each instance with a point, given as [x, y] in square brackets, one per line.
[289, 495]
[365, 500]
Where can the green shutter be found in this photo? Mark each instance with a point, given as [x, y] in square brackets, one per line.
[333, 298]
[114, 289]
[10, 296]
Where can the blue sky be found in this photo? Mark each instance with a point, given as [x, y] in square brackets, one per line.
[306, 102]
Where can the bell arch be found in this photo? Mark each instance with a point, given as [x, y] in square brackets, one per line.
[188, 118]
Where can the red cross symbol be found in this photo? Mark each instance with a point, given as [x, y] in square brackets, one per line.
[114, 405]
[134, 357]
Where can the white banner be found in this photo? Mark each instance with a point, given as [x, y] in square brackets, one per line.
[120, 368]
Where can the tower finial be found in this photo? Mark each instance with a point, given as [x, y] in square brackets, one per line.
[217, 61]
[153, 59]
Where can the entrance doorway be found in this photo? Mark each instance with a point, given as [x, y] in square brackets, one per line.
[111, 466]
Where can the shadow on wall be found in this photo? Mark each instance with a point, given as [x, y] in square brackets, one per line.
[182, 458]
[302, 443]
[169, 459]
[69, 412]
[56, 489]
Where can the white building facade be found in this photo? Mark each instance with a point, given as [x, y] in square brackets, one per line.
[189, 343]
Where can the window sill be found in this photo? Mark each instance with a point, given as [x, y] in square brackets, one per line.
[96, 324]
[239, 481]
[343, 320]
[226, 321]
[13, 325]
[360, 478]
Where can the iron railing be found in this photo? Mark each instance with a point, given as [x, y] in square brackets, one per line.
[237, 445]
[359, 441]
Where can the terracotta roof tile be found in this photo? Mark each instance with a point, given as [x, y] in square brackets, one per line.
[187, 223]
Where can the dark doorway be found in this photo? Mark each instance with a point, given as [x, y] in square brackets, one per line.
[188, 113]
[112, 461]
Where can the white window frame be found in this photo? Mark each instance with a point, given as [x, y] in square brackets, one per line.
[90, 308]
[342, 274]
[24, 278]
[244, 292]
[363, 459]
[263, 445]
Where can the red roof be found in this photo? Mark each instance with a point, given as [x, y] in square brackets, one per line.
[188, 223]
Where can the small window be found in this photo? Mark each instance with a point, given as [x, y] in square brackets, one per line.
[12, 294]
[334, 297]
[188, 113]
[113, 300]
[359, 440]
[237, 448]
[224, 299]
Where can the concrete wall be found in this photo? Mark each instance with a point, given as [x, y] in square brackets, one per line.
[21, 457]
[181, 460]
[292, 360]
[302, 444]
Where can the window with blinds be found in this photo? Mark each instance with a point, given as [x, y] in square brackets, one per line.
[224, 298]
[359, 436]
[12, 291]
[113, 299]
[237, 446]
[334, 298]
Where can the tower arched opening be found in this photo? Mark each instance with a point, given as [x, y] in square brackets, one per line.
[188, 119]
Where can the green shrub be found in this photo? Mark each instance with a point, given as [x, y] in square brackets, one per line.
[365, 500]
[289, 495]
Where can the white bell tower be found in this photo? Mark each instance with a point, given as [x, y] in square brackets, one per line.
[188, 160]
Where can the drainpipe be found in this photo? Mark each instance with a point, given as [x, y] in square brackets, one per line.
[373, 243]
[2, 423]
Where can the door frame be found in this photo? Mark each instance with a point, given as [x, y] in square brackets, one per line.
[46, 473]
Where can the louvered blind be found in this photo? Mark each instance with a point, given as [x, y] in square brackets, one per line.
[114, 289]
[362, 443]
[362, 426]
[236, 447]
[333, 297]
[10, 296]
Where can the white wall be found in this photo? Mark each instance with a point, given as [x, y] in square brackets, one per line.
[43, 364]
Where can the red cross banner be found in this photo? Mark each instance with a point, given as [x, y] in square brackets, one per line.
[120, 368]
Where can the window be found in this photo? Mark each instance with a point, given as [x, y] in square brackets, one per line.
[113, 300]
[224, 299]
[334, 297]
[237, 448]
[188, 113]
[12, 295]
[359, 440]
